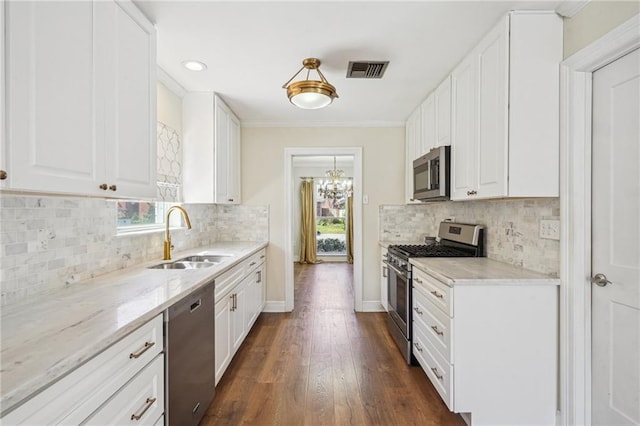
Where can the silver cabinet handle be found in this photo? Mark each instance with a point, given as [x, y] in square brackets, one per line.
[435, 371]
[252, 263]
[230, 200]
[262, 256]
[438, 332]
[148, 403]
[146, 347]
[232, 302]
[600, 280]
[259, 274]
[436, 294]
[472, 192]
[418, 347]
[417, 310]
[418, 280]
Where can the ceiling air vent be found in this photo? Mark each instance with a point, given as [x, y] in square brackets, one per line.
[366, 69]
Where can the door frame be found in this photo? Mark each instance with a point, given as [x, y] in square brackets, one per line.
[575, 215]
[289, 153]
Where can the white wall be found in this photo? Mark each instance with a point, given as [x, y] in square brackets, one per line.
[595, 20]
[263, 184]
[169, 108]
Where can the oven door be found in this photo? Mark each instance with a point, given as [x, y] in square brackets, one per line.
[399, 294]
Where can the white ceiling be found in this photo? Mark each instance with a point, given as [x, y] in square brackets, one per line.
[252, 48]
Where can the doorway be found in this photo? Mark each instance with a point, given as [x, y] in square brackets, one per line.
[583, 160]
[292, 198]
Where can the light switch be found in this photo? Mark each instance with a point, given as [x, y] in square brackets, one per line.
[550, 228]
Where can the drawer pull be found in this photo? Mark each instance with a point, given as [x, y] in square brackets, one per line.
[252, 263]
[438, 332]
[435, 371]
[436, 294]
[418, 347]
[418, 280]
[417, 310]
[262, 256]
[148, 403]
[146, 347]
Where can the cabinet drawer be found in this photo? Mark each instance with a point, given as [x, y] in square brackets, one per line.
[140, 402]
[80, 393]
[254, 261]
[436, 325]
[226, 281]
[439, 371]
[437, 292]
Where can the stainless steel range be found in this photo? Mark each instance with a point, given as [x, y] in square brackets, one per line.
[455, 240]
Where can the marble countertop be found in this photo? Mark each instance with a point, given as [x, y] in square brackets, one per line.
[455, 271]
[45, 337]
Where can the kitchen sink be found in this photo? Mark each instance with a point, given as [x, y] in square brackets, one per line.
[179, 264]
[212, 258]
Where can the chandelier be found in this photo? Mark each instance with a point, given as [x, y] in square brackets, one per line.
[335, 186]
[310, 94]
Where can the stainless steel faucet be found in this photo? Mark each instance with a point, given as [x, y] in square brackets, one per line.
[167, 237]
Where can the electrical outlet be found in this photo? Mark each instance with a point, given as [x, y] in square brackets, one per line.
[550, 228]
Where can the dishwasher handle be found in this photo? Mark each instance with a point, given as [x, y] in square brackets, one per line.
[195, 305]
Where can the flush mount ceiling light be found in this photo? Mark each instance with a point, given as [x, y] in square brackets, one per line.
[310, 94]
[193, 65]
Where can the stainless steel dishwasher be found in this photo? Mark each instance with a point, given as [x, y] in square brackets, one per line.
[190, 375]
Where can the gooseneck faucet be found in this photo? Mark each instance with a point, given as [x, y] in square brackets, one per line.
[167, 237]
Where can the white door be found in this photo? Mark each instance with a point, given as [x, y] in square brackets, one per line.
[616, 243]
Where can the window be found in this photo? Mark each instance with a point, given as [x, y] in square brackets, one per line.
[134, 216]
[331, 225]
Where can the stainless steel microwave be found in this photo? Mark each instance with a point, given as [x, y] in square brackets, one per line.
[432, 175]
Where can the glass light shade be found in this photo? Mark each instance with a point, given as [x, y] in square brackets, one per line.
[311, 100]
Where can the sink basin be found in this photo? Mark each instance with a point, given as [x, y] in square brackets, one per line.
[212, 258]
[182, 265]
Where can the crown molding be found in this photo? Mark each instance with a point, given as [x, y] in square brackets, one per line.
[170, 83]
[569, 8]
[250, 123]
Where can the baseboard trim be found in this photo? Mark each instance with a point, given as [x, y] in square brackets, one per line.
[372, 306]
[274, 306]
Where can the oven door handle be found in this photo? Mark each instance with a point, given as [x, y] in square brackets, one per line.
[397, 271]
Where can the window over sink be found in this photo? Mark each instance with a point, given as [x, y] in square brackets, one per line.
[144, 215]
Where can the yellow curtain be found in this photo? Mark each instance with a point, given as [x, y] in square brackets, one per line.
[308, 241]
[350, 229]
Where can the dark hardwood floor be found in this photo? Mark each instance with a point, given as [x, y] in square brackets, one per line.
[324, 364]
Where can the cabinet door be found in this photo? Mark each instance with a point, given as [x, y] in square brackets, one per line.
[4, 180]
[428, 135]
[463, 163]
[233, 178]
[492, 106]
[130, 58]
[221, 152]
[412, 140]
[51, 91]
[223, 335]
[384, 272]
[443, 113]
[238, 318]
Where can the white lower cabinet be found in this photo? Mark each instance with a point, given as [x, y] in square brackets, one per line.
[140, 402]
[110, 379]
[240, 296]
[384, 272]
[493, 356]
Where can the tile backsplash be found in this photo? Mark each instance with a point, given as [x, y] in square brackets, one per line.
[512, 228]
[49, 242]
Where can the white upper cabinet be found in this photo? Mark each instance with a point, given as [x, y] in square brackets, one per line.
[505, 140]
[211, 133]
[442, 119]
[80, 98]
[463, 150]
[428, 125]
[412, 148]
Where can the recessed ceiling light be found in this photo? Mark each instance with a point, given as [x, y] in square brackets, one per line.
[192, 65]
